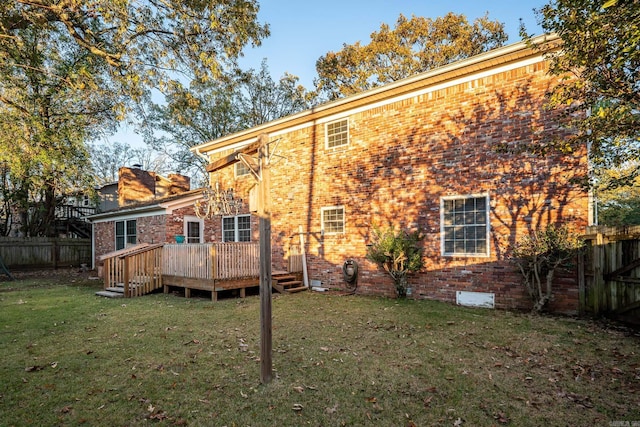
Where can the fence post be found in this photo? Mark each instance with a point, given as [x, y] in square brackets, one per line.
[54, 253]
[581, 284]
[598, 279]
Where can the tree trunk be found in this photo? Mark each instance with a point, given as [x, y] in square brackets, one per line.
[401, 284]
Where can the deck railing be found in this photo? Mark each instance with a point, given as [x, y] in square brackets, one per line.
[136, 269]
[212, 261]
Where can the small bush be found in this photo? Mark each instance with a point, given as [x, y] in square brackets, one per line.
[399, 253]
[539, 255]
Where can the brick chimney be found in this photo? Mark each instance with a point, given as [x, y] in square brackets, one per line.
[179, 183]
[135, 185]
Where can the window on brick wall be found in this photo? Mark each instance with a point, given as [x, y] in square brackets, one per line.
[332, 220]
[193, 229]
[337, 133]
[464, 225]
[236, 228]
[125, 233]
[241, 169]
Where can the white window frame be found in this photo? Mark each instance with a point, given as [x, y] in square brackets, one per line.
[323, 220]
[240, 169]
[236, 230]
[192, 219]
[328, 136]
[127, 237]
[487, 226]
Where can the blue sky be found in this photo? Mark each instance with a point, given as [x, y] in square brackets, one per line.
[303, 31]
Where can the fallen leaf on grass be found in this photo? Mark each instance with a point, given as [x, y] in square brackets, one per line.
[297, 407]
[34, 368]
[299, 389]
[332, 410]
[501, 418]
[161, 415]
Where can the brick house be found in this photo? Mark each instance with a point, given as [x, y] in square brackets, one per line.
[155, 209]
[440, 152]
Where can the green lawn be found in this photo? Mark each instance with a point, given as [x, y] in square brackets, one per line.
[71, 358]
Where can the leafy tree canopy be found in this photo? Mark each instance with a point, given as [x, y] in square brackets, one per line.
[107, 159]
[209, 110]
[617, 191]
[143, 41]
[600, 63]
[415, 45]
[69, 70]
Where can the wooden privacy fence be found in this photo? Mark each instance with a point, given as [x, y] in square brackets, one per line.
[212, 261]
[610, 272]
[44, 252]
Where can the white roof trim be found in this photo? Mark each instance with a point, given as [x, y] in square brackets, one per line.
[160, 208]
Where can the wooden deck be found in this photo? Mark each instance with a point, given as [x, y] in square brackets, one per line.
[212, 285]
[212, 267]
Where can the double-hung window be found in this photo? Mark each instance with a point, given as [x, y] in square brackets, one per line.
[333, 220]
[464, 225]
[125, 233]
[236, 228]
[337, 133]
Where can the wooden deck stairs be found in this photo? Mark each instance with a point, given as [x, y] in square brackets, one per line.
[117, 291]
[286, 283]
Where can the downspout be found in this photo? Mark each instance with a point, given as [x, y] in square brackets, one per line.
[196, 150]
[592, 217]
[199, 154]
[93, 245]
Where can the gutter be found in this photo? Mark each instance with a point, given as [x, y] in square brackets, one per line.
[106, 215]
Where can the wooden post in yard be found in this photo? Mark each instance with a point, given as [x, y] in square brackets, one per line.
[264, 213]
[260, 171]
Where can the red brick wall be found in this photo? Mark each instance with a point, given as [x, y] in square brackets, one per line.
[402, 157]
[162, 229]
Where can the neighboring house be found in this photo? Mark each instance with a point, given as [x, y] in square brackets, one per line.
[440, 152]
[70, 217]
[155, 209]
[107, 196]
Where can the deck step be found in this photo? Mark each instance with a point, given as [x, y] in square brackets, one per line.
[294, 290]
[109, 294]
[117, 289]
[291, 284]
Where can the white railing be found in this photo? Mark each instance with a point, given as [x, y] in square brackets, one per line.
[211, 260]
